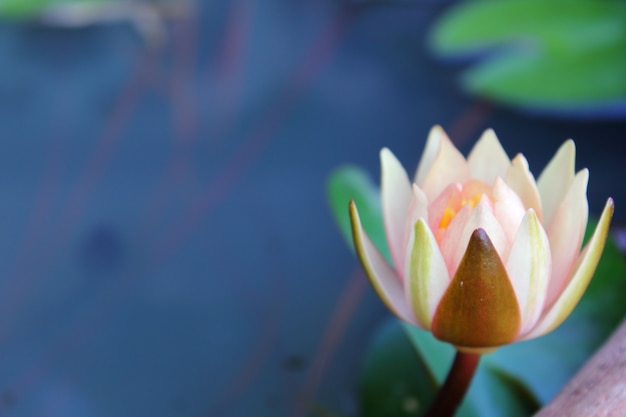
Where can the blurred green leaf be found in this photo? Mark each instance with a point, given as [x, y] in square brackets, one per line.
[559, 25]
[561, 54]
[437, 355]
[497, 393]
[351, 182]
[570, 81]
[25, 9]
[395, 381]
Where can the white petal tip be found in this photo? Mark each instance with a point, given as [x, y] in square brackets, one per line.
[437, 129]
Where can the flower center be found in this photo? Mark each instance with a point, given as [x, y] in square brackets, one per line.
[469, 193]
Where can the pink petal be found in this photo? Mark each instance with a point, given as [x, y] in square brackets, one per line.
[426, 274]
[448, 167]
[528, 268]
[583, 272]
[396, 196]
[566, 234]
[556, 179]
[522, 182]
[488, 160]
[508, 208]
[381, 275]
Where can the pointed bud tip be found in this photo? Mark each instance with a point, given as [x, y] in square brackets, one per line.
[481, 235]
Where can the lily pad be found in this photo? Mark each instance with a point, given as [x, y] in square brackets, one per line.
[541, 54]
[395, 381]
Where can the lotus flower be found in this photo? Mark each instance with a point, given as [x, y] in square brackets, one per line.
[483, 254]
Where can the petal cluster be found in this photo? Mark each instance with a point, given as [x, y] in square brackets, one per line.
[483, 255]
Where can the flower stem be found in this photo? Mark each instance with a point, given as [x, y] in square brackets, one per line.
[454, 388]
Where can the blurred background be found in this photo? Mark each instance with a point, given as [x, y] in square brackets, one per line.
[166, 246]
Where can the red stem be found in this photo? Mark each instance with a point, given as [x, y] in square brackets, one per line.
[454, 388]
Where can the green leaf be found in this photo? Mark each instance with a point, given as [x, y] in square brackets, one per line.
[545, 364]
[395, 381]
[561, 54]
[438, 356]
[572, 80]
[559, 25]
[351, 182]
[496, 393]
[27, 9]
[22, 8]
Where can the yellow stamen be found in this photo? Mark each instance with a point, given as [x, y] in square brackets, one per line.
[471, 193]
[448, 215]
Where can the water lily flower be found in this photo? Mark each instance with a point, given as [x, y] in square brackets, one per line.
[483, 255]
